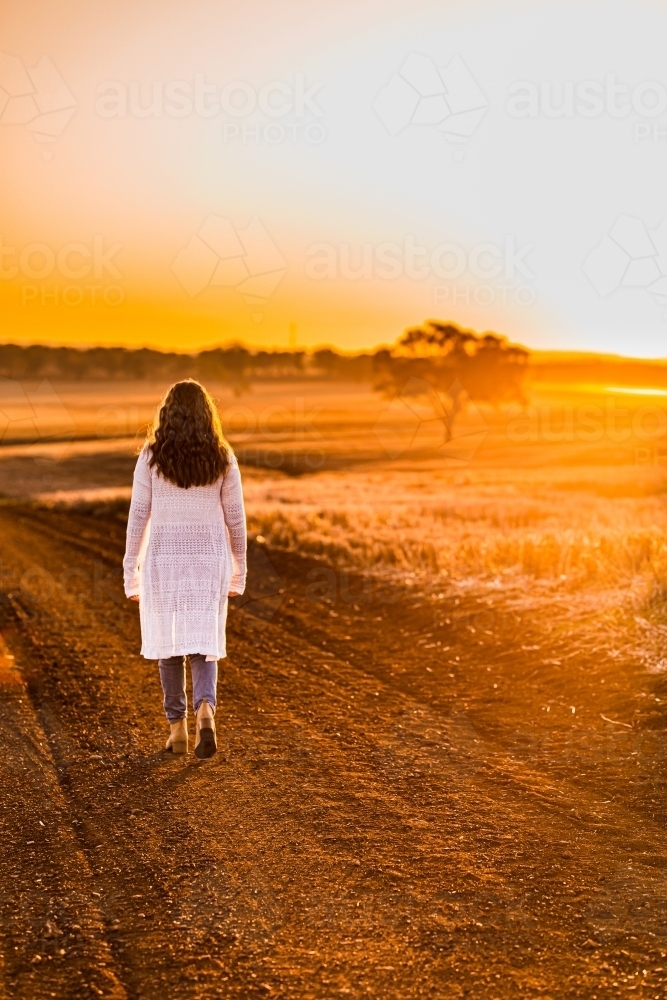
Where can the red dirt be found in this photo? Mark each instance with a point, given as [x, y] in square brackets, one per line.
[392, 811]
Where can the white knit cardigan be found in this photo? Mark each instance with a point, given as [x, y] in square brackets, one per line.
[186, 549]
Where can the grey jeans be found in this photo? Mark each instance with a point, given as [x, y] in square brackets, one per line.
[204, 682]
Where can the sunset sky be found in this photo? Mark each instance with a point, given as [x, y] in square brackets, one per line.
[185, 174]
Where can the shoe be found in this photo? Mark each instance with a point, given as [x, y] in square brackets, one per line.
[178, 738]
[205, 745]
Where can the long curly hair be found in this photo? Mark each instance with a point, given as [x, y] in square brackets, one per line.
[186, 443]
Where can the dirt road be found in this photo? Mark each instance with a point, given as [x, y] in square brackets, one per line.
[415, 795]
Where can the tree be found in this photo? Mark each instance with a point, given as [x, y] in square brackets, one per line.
[226, 364]
[458, 365]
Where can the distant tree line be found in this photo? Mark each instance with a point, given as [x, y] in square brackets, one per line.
[456, 364]
[236, 365]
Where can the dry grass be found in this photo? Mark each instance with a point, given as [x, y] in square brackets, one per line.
[591, 569]
[432, 526]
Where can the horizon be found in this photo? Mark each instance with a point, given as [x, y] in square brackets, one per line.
[349, 352]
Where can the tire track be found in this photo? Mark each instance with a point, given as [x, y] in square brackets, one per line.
[54, 939]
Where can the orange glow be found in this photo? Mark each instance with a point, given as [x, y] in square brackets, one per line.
[135, 126]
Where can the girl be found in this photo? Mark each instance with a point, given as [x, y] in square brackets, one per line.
[186, 554]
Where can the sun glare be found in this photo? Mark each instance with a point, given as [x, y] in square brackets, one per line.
[636, 391]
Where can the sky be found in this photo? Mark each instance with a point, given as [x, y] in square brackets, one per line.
[181, 175]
